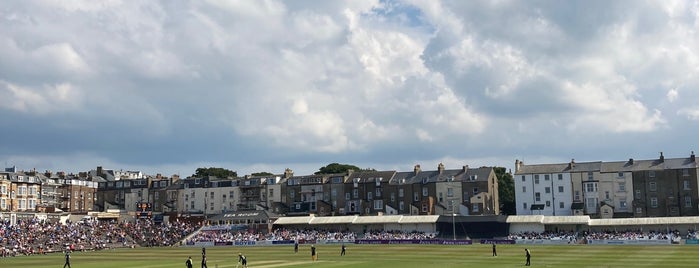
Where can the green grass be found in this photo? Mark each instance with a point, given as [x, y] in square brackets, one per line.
[383, 256]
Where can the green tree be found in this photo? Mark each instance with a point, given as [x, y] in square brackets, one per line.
[336, 168]
[264, 173]
[215, 172]
[506, 191]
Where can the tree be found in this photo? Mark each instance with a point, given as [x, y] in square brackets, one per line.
[215, 172]
[506, 191]
[336, 168]
[259, 174]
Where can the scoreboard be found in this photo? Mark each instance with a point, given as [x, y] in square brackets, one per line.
[144, 210]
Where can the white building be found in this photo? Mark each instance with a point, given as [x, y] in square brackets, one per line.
[543, 189]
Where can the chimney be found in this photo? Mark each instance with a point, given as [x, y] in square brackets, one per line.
[692, 157]
[99, 171]
[417, 169]
[571, 164]
[440, 168]
[47, 173]
[518, 165]
[464, 168]
[662, 158]
[630, 161]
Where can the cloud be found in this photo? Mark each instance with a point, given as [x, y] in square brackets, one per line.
[690, 113]
[273, 83]
[672, 95]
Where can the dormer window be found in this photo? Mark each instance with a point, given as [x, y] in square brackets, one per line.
[378, 181]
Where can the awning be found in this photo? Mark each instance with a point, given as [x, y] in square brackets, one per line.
[245, 215]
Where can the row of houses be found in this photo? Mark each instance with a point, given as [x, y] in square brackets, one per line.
[463, 191]
[618, 189]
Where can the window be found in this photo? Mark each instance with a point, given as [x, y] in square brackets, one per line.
[475, 207]
[638, 194]
[591, 187]
[560, 177]
[211, 206]
[3, 203]
[651, 173]
[401, 206]
[313, 206]
[591, 203]
[271, 192]
[369, 195]
[524, 189]
[622, 187]
[192, 204]
[686, 184]
[440, 198]
[688, 201]
[450, 206]
[639, 210]
[652, 186]
[416, 196]
[292, 194]
[524, 178]
[378, 204]
[3, 189]
[561, 205]
[589, 175]
[424, 207]
[548, 203]
[347, 196]
[355, 193]
[536, 179]
[537, 197]
[622, 204]
[450, 192]
[524, 206]
[157, 196]
[378, 192]
[547, 177]
[393, 197]
[231, 194]
[400, 192]
[685, 172]
[606, 195]
[547, 190]
[620, 175]
[560, 189]
[425, 191]
[654, 202]
[197, 181]
[475, 191]
[32, 204]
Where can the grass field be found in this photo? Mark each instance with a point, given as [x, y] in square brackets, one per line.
[375, 256]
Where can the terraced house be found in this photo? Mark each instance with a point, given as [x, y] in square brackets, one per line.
[634, 188]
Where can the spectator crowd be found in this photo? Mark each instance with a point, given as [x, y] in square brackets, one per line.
[35, 236]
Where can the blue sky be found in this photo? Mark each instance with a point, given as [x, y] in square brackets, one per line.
[169, 86]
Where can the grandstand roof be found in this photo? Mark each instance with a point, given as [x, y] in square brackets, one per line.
[644, 221]
[566, 219]
[294, 220]
[399, 219]
[419, 219]
[377, 219]
[525, 219]
[333, 220]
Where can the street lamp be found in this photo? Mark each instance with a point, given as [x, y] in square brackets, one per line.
[453, 221]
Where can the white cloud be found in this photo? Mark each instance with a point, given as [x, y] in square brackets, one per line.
[41, 100]
[691, 113]
[672, 95]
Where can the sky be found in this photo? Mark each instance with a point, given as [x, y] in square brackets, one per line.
[261, 86]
